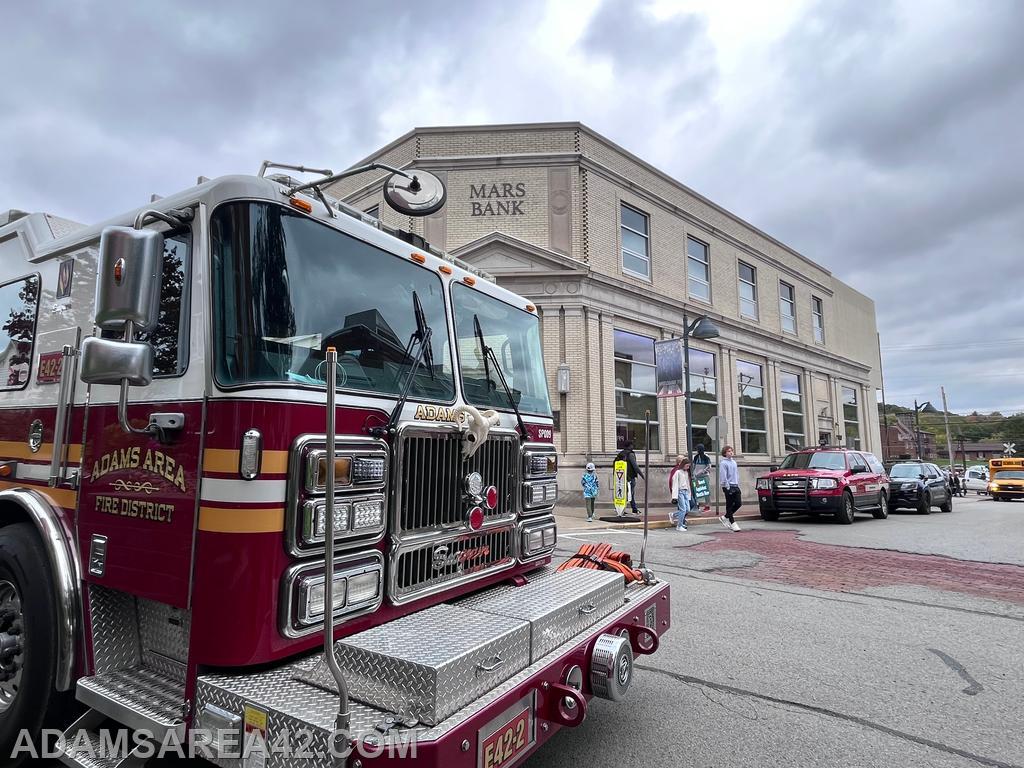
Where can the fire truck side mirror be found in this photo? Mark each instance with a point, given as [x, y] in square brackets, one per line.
[111, 361]
[128, 278]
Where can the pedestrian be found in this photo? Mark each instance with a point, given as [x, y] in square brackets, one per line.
[681, 491]
[632, 471]
[729, 477]
[591, 487]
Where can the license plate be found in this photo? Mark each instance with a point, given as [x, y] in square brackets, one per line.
[507, 738]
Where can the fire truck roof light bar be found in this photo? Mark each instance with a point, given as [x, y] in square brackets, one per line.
[330, 178]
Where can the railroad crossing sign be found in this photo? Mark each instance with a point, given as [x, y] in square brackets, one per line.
[1009, 449]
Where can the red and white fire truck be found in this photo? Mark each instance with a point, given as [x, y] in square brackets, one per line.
[185, 391]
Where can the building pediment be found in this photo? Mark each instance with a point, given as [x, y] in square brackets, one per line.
[503, 255]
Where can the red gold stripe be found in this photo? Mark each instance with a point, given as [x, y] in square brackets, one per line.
[226, 460]
[223, 520]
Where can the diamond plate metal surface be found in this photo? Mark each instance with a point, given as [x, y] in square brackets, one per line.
[115, 633]
[558, 606]
[164, 629]
[295, 707]
[142, 691]
[432, 663]
[85, 748]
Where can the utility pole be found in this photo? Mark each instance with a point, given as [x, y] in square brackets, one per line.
[945, 418]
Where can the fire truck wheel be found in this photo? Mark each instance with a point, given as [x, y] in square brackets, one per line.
[883, 507]
[846, 511]
[28, 641]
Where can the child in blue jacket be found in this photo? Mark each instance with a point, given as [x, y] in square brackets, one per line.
[591, 487]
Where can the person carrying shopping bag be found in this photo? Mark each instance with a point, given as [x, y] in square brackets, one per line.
[681, 492]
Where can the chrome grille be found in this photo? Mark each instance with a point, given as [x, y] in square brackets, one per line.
[430, 494]
[444, 563]
[790, 493]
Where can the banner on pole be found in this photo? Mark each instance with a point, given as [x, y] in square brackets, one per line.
[668, 371]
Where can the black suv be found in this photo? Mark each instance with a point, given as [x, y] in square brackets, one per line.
[919, 485]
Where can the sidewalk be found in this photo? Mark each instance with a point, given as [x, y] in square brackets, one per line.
[572, 518]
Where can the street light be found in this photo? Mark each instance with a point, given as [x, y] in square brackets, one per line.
[925, 406]
[702, 328]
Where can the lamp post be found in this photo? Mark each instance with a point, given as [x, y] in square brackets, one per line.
[701, 328]
[917, 423]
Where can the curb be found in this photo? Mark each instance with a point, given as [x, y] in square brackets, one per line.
[658, 524]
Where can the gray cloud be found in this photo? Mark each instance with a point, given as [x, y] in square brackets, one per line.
[881, 139]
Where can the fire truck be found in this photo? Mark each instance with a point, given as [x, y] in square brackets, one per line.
[210, 404]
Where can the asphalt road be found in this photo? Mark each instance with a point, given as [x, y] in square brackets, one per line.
[806, 643]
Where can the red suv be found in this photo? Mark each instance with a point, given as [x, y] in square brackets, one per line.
[839, 481]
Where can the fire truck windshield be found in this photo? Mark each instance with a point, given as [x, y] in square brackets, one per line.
[514, 335]
[287, 287]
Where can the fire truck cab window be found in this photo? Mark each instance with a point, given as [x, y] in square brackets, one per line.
[514, 335]
[287, 287]
[19, 300]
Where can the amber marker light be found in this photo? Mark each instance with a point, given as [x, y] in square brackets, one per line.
[419, 258]
[302, 205]
[444, 269]
[469, 280]
[5, 470]
[530, 308]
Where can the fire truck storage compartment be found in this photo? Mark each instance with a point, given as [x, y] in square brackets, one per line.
[558, 605]
[430, 664]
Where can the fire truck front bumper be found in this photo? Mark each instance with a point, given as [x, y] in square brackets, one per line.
[289, 714]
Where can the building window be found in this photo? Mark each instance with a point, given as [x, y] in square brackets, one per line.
[19, 302]
[636, 242]
[698, 269]
[851, 419]
[748, 291]
[792, 410]
[787, 307]
[635, 390]
[818, 317]
[703, 396]
[753, 427]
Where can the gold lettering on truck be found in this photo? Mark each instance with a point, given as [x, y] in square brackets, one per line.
[155, 462]
[434, 413]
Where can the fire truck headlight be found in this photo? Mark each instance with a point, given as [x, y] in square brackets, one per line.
[824, 483]
[538, 536]
[363, 588]
[541, 463]
[316, 509]
[316, 471]
[368, 514]
[311, 598]
[368, 469]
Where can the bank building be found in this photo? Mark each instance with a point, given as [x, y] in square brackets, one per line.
[612, 252]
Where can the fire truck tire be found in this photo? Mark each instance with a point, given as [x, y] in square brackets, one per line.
[28, 643]
[846, 511]
[883, 507]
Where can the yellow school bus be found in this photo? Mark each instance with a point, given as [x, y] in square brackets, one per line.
[1006, 478]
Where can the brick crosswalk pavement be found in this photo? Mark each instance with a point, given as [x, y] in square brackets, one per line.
[785, 558]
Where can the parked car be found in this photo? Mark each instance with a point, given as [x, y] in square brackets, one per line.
[919, 485]
[976, 479]
[836, 481]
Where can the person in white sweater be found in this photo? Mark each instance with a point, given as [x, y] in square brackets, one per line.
[681, 490]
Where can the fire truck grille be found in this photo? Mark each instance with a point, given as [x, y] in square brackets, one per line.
[432, 479]
[437, 565]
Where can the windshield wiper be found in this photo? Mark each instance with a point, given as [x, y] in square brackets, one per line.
[488, 354]
[420, 336]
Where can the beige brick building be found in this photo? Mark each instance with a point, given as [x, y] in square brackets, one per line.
[612, 251]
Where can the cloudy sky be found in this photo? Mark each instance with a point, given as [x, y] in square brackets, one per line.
[881, 139]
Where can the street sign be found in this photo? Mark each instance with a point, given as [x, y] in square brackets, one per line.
[1009, 449]
[717, 426]
[619, 486]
